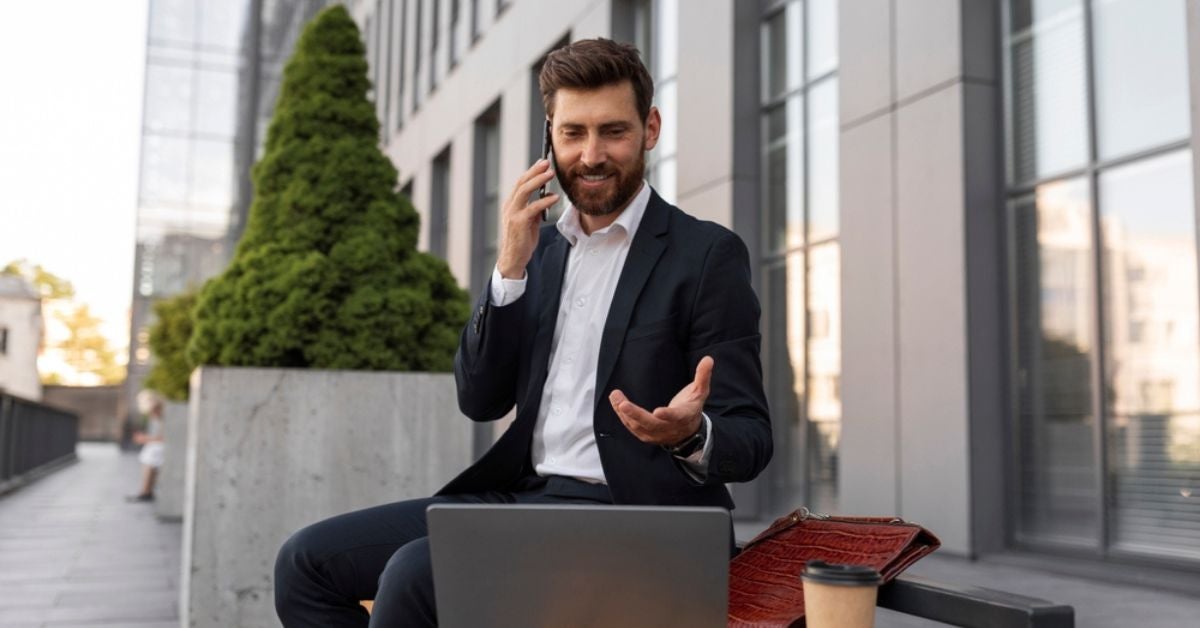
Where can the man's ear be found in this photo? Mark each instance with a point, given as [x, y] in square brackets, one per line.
[653, 127]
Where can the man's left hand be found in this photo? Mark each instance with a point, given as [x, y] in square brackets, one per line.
[672, 424]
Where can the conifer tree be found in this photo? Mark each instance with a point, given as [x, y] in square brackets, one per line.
[327, 274]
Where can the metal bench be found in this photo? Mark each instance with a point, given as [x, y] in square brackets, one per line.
[971, 607]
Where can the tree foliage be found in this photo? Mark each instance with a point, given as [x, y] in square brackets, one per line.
[327, 274]
[80, 350]
[169, 337]
[49, 285]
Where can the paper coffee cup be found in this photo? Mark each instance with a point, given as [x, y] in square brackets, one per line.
[839, 596]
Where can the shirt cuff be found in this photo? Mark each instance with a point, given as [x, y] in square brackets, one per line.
[696, 465]
[505, 291]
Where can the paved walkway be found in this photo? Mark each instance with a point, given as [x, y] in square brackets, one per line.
[73, 553]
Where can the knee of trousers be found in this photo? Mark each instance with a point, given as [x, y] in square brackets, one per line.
[409, 571]
[294, 562]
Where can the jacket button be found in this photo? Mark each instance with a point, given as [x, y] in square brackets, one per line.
[602, 434]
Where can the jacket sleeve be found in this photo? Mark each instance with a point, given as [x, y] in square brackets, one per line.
[485, 366]
[725, 319]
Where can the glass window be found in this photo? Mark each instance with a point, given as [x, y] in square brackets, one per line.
[168, 98]
[822, 37]
[1052, 262]
[439, 205]
[823, 135]
[799, 248]
[784, 169]
[164, 176]
[782, 52]
[1141, 74]
[1152, 365]
[1048, 131]
[783, 356]
[824, 408]
[173, 22]
[212, 174]
[216, 103]
[222, 23]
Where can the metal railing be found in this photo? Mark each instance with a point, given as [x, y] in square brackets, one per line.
[33, 436]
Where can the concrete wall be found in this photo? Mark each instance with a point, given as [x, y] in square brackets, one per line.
[922, 432]
[273, 450]
[168, 502]
[22, 317]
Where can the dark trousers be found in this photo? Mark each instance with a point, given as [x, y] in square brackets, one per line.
[382, 554]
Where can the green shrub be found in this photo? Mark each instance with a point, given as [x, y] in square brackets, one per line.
[327, 274]
[169, 337]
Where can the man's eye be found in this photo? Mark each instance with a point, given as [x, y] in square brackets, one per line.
[572, 134]
[615, 132]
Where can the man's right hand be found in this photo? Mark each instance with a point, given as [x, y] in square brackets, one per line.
[521, 220]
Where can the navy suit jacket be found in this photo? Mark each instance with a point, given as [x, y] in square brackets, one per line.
[684, 293]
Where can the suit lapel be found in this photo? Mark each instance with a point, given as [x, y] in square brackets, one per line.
[644, 252]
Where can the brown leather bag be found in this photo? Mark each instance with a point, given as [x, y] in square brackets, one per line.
[764, 579]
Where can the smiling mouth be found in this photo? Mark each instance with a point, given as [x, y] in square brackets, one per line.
[594, 178]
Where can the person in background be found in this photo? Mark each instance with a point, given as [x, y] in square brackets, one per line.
[151, 440]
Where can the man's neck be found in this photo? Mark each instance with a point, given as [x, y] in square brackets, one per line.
[591, 224]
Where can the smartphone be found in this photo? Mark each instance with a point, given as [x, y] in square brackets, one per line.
[547, 154]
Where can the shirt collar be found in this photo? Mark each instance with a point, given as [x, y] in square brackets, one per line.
[629, 219]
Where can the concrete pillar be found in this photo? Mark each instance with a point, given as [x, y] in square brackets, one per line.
[923, 407]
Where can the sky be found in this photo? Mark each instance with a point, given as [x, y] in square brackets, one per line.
[70, 118]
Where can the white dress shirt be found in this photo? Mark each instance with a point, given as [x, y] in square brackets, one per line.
[563, 439]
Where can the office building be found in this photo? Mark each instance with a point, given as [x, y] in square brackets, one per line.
[972, 225]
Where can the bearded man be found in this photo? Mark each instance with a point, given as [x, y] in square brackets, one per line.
[626, 336]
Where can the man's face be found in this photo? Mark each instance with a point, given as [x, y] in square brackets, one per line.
[599, 144]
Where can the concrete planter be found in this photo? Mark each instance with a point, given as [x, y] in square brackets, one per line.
[168, 503]
[272, 450]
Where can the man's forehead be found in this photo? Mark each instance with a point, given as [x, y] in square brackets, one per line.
[600, 105]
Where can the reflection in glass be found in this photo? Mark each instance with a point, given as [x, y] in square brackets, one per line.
[173, 22]
[824, 374]
[216, 103]
[212, 175]
[822, 37]
[1152, 366]
[164, 176]
[1141, 74]
[168, 98]
[666, 38]
[782, 43]
[1052, 259]
[784, 224]
[1048, 91]
[783, 355]
[823, 161]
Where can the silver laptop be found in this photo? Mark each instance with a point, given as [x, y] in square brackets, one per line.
[573, 565]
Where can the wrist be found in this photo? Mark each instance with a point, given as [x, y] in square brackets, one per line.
[692, 443]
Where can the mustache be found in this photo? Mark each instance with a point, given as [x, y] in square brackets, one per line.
[591, 172]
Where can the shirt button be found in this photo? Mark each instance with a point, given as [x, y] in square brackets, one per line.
[557, 409]
[581, 301]
[570, 359]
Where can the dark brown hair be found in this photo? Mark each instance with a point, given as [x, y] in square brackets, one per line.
[593, 63]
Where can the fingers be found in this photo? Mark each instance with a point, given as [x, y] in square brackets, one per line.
[703, 376]
[538, 175]
[636, 419]
[534, 210]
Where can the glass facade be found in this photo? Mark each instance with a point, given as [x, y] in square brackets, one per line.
[212, 72]
[800, 258]
[486, 210]
[656, 35]
[1103, 266]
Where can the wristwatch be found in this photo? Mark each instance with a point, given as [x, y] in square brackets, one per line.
[691, 444]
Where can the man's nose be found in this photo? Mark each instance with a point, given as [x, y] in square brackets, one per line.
[593, 153]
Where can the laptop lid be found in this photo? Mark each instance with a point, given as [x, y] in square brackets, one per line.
[579, 565]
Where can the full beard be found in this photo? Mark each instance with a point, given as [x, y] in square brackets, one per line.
[602, 202]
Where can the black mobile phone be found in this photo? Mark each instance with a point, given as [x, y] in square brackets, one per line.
[547, 154]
